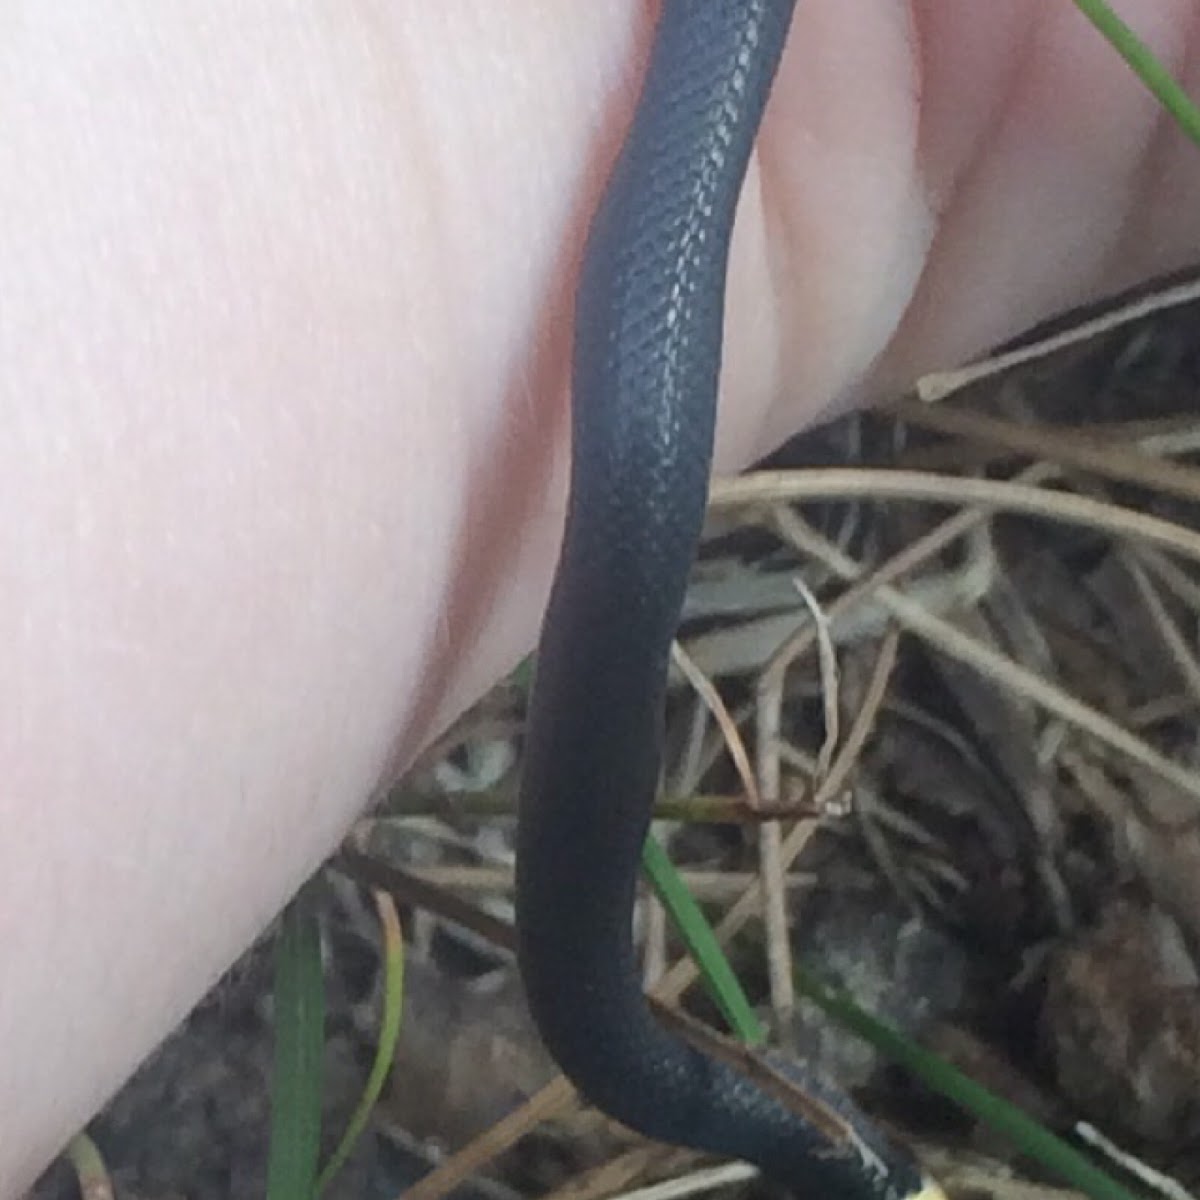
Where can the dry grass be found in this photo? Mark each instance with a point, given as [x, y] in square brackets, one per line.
[952, 677]
[1018, 577]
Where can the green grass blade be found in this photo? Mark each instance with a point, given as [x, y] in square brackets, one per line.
[389, 1032]
[698, 936]
[299, 1046]
[1147, 68]
[1033, 1139]
[90, 1172]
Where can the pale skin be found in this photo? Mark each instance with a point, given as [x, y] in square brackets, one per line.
[284, 329]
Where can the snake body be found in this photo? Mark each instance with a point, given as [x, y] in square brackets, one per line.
[647, 352]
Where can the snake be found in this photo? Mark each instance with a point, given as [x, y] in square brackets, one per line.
[648, 328]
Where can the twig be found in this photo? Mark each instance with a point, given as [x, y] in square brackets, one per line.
[1176, 644]
[830, 680]
[1004, 671]
[864, 722]
[1072, 448]
[709, 1179]
[938, 385]
[1163, 1184]
[707, 691]
[841, 482]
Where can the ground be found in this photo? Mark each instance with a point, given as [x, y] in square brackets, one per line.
[983, 746]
